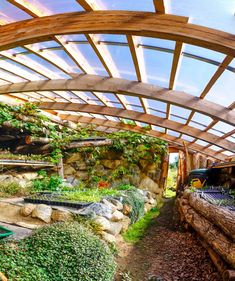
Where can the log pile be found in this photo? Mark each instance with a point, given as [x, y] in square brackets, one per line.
[216, 226]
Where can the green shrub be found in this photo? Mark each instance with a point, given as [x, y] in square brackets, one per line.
[11, 188]
[136, 201]
[126, 187]
[61, 252]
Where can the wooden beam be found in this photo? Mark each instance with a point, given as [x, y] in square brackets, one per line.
[216, 76]
[141, 117]
[159, 6]
[132, 47]
[116, 22]
[138, 129]
[122, 86]
[175, 63]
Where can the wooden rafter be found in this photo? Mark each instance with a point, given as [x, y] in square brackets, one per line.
[175, 63]
[88, 5]
[159, 6]
[117, 22]
[216, 76]
[116, 85]
[138, 129]
[141, 117]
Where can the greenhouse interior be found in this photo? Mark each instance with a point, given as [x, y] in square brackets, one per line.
[117, 140]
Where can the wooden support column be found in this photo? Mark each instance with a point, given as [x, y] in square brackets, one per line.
[165, 167]
[61, 168]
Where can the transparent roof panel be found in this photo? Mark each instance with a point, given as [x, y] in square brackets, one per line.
[122, 60]
[57, 7]
[202, 143]
[187, 138]
[131, 5]
[193, 75]
[158, 128]
[156, 42]
[113, 38]
[203, 53]
[10, 13]
[158, 67]
[201, 118]
[154, 104]
[197, 125]
[180, 111]
[201, 11]
[223, 127]
[157, 113]
[223, 90]
[228, 153]
[90, 56]
[44, 45]
[20, 70]
[173, 133]
[8, 76]
[215, 147]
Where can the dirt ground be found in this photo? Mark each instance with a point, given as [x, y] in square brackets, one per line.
[166, 253]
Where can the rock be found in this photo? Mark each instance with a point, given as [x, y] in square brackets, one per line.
[147, 207]
[99, 209]
[82, 175]
[117, 216]
[126, 209]
[126, 221]
[43, 212]
[148, 184]
[86, 213]
[58, 215]
[27, 209]
[108, 237]
[152, 201]
[30, 176]
[69, 170]
[109, 204]
[103, 222]
[73, 158]
[116, 203]
[115, 228]
[111, 164]
[81, 166]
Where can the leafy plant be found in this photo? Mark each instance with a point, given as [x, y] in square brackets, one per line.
[12, 188]
[65, 251]
[45, 182]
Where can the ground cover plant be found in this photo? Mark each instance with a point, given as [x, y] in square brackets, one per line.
[137, 230]
[65, 251]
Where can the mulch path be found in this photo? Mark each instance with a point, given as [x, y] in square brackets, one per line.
[166, 253]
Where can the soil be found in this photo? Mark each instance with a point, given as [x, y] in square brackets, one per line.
[167, 252]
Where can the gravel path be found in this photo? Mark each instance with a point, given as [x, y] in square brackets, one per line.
[167, 253]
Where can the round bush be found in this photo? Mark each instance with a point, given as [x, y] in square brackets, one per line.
[65, 251]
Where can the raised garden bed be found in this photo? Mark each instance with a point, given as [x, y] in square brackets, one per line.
[54, 199]
[4, 232]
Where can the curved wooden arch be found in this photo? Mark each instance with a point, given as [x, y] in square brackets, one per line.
[122, 86]
[141, 117]
[120, 126]
[149, 24]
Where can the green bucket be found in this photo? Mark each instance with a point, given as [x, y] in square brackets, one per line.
[4, 232]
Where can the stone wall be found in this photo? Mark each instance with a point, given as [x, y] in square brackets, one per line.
[114, 169]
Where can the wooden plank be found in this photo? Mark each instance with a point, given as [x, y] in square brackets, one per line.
[122, 86]
[216, 76]
[116, 22]
[141, 117]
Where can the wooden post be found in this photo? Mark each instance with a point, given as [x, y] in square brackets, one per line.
[61, 168]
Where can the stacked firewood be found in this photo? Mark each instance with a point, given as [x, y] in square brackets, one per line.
[216, 227]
